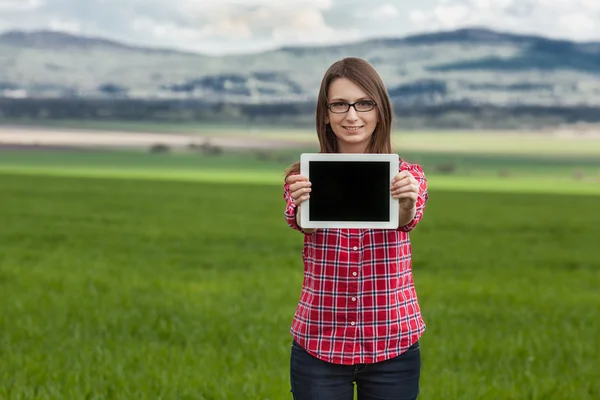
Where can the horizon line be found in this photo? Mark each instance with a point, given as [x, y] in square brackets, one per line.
[291, 46]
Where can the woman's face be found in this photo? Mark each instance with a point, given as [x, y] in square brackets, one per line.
[353, 128]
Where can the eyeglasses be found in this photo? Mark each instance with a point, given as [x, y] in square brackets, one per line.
[340, 107]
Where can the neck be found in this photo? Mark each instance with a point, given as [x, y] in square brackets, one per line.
[352, 148]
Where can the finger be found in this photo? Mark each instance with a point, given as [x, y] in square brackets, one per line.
[406, 195]
[296, 178]
[404, 176]
[404, 181]
[399, 182]
[299, 185]
[408, 177]
[300, 192]
[402, 185]
[410, 188]
[301, 199]
[401, 175]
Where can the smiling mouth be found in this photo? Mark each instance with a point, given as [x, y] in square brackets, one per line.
[352, 128]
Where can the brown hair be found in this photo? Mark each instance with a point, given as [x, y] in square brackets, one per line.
[361, 73]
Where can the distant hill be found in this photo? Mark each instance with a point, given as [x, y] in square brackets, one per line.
[62, 41]
[475, 67]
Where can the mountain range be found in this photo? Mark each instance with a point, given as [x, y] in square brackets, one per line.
[475, 66]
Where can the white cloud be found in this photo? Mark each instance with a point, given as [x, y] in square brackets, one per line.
[221, 26]
[555, 18]
[241, 22]
[305, 25]
[64, 25]
[578, 23]
[387, 10]
[167, 30]
[418, 17]
[591, 4]
[451, 16]
[247, 11]
[19, 5]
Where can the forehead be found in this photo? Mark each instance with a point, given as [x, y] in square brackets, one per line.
[345, 89]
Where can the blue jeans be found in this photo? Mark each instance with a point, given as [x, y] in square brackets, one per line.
[393, 379]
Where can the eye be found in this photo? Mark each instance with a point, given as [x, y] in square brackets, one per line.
[365, 103]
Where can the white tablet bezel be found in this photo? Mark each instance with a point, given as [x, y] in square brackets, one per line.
[394, 163]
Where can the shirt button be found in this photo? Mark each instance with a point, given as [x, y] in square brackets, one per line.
[354, 299]
[354, 274]
[355, 248]
[352, 323]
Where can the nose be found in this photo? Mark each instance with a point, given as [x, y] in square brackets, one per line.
[352, 114]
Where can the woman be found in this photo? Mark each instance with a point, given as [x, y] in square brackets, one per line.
[358, 320]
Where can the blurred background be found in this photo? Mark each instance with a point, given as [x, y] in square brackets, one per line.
[143, 249]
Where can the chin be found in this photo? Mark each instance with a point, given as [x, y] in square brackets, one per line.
[360, 138]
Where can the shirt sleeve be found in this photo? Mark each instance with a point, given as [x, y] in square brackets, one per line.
[290, 209]
[419, 175]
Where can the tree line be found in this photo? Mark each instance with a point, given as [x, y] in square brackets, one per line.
[451, 115]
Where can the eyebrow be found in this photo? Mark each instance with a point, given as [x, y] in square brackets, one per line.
[342, 99]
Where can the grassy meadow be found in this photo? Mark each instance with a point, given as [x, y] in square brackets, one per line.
[506, 172]
[129, 275]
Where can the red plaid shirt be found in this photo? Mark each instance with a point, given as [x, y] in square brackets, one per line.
[358, 302]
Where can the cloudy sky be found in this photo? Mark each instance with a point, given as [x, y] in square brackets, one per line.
[229, 26]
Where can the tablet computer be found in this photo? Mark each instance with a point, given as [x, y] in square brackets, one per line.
[349, 191]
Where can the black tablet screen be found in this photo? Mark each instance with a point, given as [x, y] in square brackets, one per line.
[350, 191]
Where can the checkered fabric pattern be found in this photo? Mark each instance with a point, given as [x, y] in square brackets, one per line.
[358, 302]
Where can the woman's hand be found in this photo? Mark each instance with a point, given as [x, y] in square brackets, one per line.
[405, 188]
[299, 188]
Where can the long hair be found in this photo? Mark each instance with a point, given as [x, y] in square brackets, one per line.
[362, 74]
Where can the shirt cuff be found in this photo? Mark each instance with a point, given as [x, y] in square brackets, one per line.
[290, 215]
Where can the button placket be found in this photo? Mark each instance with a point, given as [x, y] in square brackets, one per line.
[355, 256]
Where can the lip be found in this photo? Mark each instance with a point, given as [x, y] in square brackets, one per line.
[352, 128]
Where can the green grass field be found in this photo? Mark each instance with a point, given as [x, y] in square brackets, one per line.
[130, 275]
[142, 289]
[578, 174]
